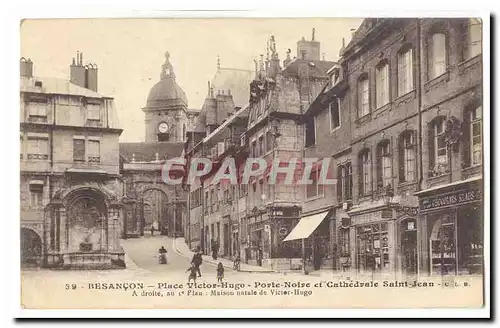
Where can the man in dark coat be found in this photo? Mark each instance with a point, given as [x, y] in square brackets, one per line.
[197, 260]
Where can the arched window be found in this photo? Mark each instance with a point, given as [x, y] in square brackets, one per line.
[437, 54]
[473, 145]
[365, 172]
[438, 151]
[474, 39]
[405, 70]
[407, 157]
[363, 96]
[382, 83]
[384, 164]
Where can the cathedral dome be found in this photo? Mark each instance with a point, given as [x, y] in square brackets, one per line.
[166, 92]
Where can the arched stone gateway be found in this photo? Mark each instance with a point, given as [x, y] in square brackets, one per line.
[82, 229]
[150, 204]
[31, 248]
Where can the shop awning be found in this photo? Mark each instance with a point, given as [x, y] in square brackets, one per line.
[306, 226]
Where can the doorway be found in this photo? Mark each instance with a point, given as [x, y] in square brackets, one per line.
[31, 248]
[409, 263]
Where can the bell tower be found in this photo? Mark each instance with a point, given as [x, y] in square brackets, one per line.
[166, 109]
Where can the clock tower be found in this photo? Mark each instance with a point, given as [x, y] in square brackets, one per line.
[166, 113]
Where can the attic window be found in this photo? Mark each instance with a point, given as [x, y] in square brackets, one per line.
[38, 84]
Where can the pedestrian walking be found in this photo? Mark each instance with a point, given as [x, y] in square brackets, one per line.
[197, 260]
[220, 272]
[152, 230]
[192, 272]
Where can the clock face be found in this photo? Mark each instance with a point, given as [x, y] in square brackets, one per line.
[163, 127]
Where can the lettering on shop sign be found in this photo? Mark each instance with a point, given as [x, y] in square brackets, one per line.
[284, 212]
[409, 210]
[458, 197]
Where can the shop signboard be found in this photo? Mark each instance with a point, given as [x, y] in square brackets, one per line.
[285, 212]
[454, 198]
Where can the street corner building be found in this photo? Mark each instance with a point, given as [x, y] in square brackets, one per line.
[70, 177]
[402, 120]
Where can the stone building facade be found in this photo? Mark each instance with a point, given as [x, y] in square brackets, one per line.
[404, 108]
[70, 188]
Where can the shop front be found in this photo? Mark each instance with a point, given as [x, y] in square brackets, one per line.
[310, 238]
[267, 231]
[454, 219]
[382, 238]
[373, 239]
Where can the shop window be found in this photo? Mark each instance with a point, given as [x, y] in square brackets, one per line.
[334, 114]
[372, 247]
[365, 172]
[382, 84]
[310, 131]
[384, 164]
[407, 157]
[405, 70]
[443, 255]
[438, 151]
[363, 96]
[470, 241]
[474, 37]
[437, 54]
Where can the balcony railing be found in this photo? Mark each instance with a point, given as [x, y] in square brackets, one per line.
[43, 157]
[93, 123]
[94, 159]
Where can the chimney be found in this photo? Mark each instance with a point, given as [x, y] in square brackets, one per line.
[91, 77]
[77, 72]
[26, 67]
[83, 76]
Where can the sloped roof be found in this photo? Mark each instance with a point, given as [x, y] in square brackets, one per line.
[316, 68]
[146, 151]
[52, 85]
[366, 26]
[235, 80]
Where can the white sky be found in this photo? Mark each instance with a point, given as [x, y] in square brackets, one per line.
[130, 52]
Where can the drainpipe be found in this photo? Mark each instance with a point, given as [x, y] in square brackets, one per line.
[419, 143]
[419, 103]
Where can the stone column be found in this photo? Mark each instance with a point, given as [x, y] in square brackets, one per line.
[63, 236]
[114, 228]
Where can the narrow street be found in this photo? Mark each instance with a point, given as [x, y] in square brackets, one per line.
[144, 251]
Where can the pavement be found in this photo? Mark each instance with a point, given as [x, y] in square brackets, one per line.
[180, 246]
